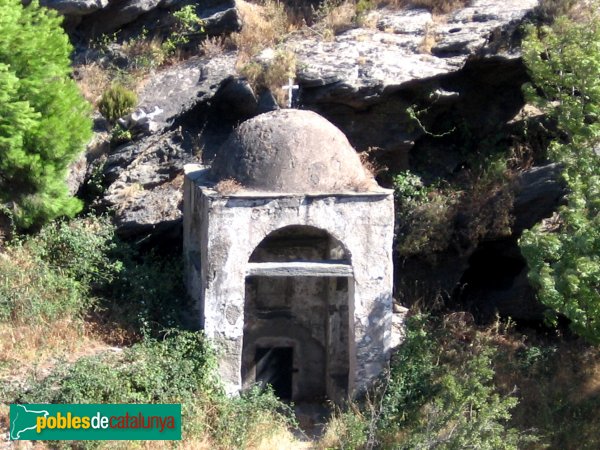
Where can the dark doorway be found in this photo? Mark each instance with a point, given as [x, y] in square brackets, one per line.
[274, 366]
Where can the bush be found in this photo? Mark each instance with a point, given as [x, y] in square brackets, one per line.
[47, 276]
[423, 218]
[440, 394]
[116, 102]
[187, 23]
[563, 253]
[44, 121]
[177, 369]
[32, 293]
[153, 371]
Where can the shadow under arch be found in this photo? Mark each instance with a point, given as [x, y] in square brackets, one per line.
[298, 328]
[300, 242]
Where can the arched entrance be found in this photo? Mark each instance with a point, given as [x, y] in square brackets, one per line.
[297, 310]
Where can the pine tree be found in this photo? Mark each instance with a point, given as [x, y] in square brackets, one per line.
[44, 121]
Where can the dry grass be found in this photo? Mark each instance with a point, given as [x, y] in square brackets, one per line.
[558, 385]
[126, 194]
[212, 46]
[264, 26]
[370, 162]
[335, 17]
[272, 74]
[144, 54]
[93, 80]
[228, 186]
[429, 40]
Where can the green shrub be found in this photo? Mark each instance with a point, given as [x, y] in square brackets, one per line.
[47, 276]
[423, 216]
[44, 121]
[439, 394]
[563, 253]
[116, 102]
[147, 293]
[78, 249]
[249, 418]
[153, 371]
[177, 369]
[33, 293]
[187, 23]
[120, 135]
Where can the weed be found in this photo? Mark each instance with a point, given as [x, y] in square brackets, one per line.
[120, 135]
[264, 26]
[435, 6]
[440, 393]
[187, 23]
[228, 186]
[273, 74]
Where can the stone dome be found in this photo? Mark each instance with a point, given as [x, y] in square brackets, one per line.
[291, 151]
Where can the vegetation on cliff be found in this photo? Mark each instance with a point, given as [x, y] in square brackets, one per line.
[563, 252]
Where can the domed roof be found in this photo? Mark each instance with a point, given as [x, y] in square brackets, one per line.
[291, 151]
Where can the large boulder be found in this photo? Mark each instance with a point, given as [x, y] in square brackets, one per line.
[75, 7]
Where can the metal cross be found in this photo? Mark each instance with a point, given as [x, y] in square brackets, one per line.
[290, 91]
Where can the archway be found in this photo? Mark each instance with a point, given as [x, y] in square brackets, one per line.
[297, 315]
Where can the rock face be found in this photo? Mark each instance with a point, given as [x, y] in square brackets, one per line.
[290, 151]
[143, 178]
[92, 18]
[75, 7]
[364, 80]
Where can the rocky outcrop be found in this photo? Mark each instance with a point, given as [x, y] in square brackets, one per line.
[92, 18]
[200, 102]
[145, 189]
[457, 65]
[75, 7]
[363, 81]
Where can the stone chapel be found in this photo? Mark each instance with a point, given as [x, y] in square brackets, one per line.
[288, 253]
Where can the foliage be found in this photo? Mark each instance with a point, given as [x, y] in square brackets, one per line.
[440, 6]
[422, 216]
[563, 254]
[71, 268]
[79, 249]
[239, 421]
[180, 368]
[44, 121]
[48, 276]
[440, 394]
[153, 371]
[187, 23]
[31, 292]
[272, 75]
[116, 102]
[264, 27]
[147, 293]
[143, 53]
[347, 430]
[120, 135]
